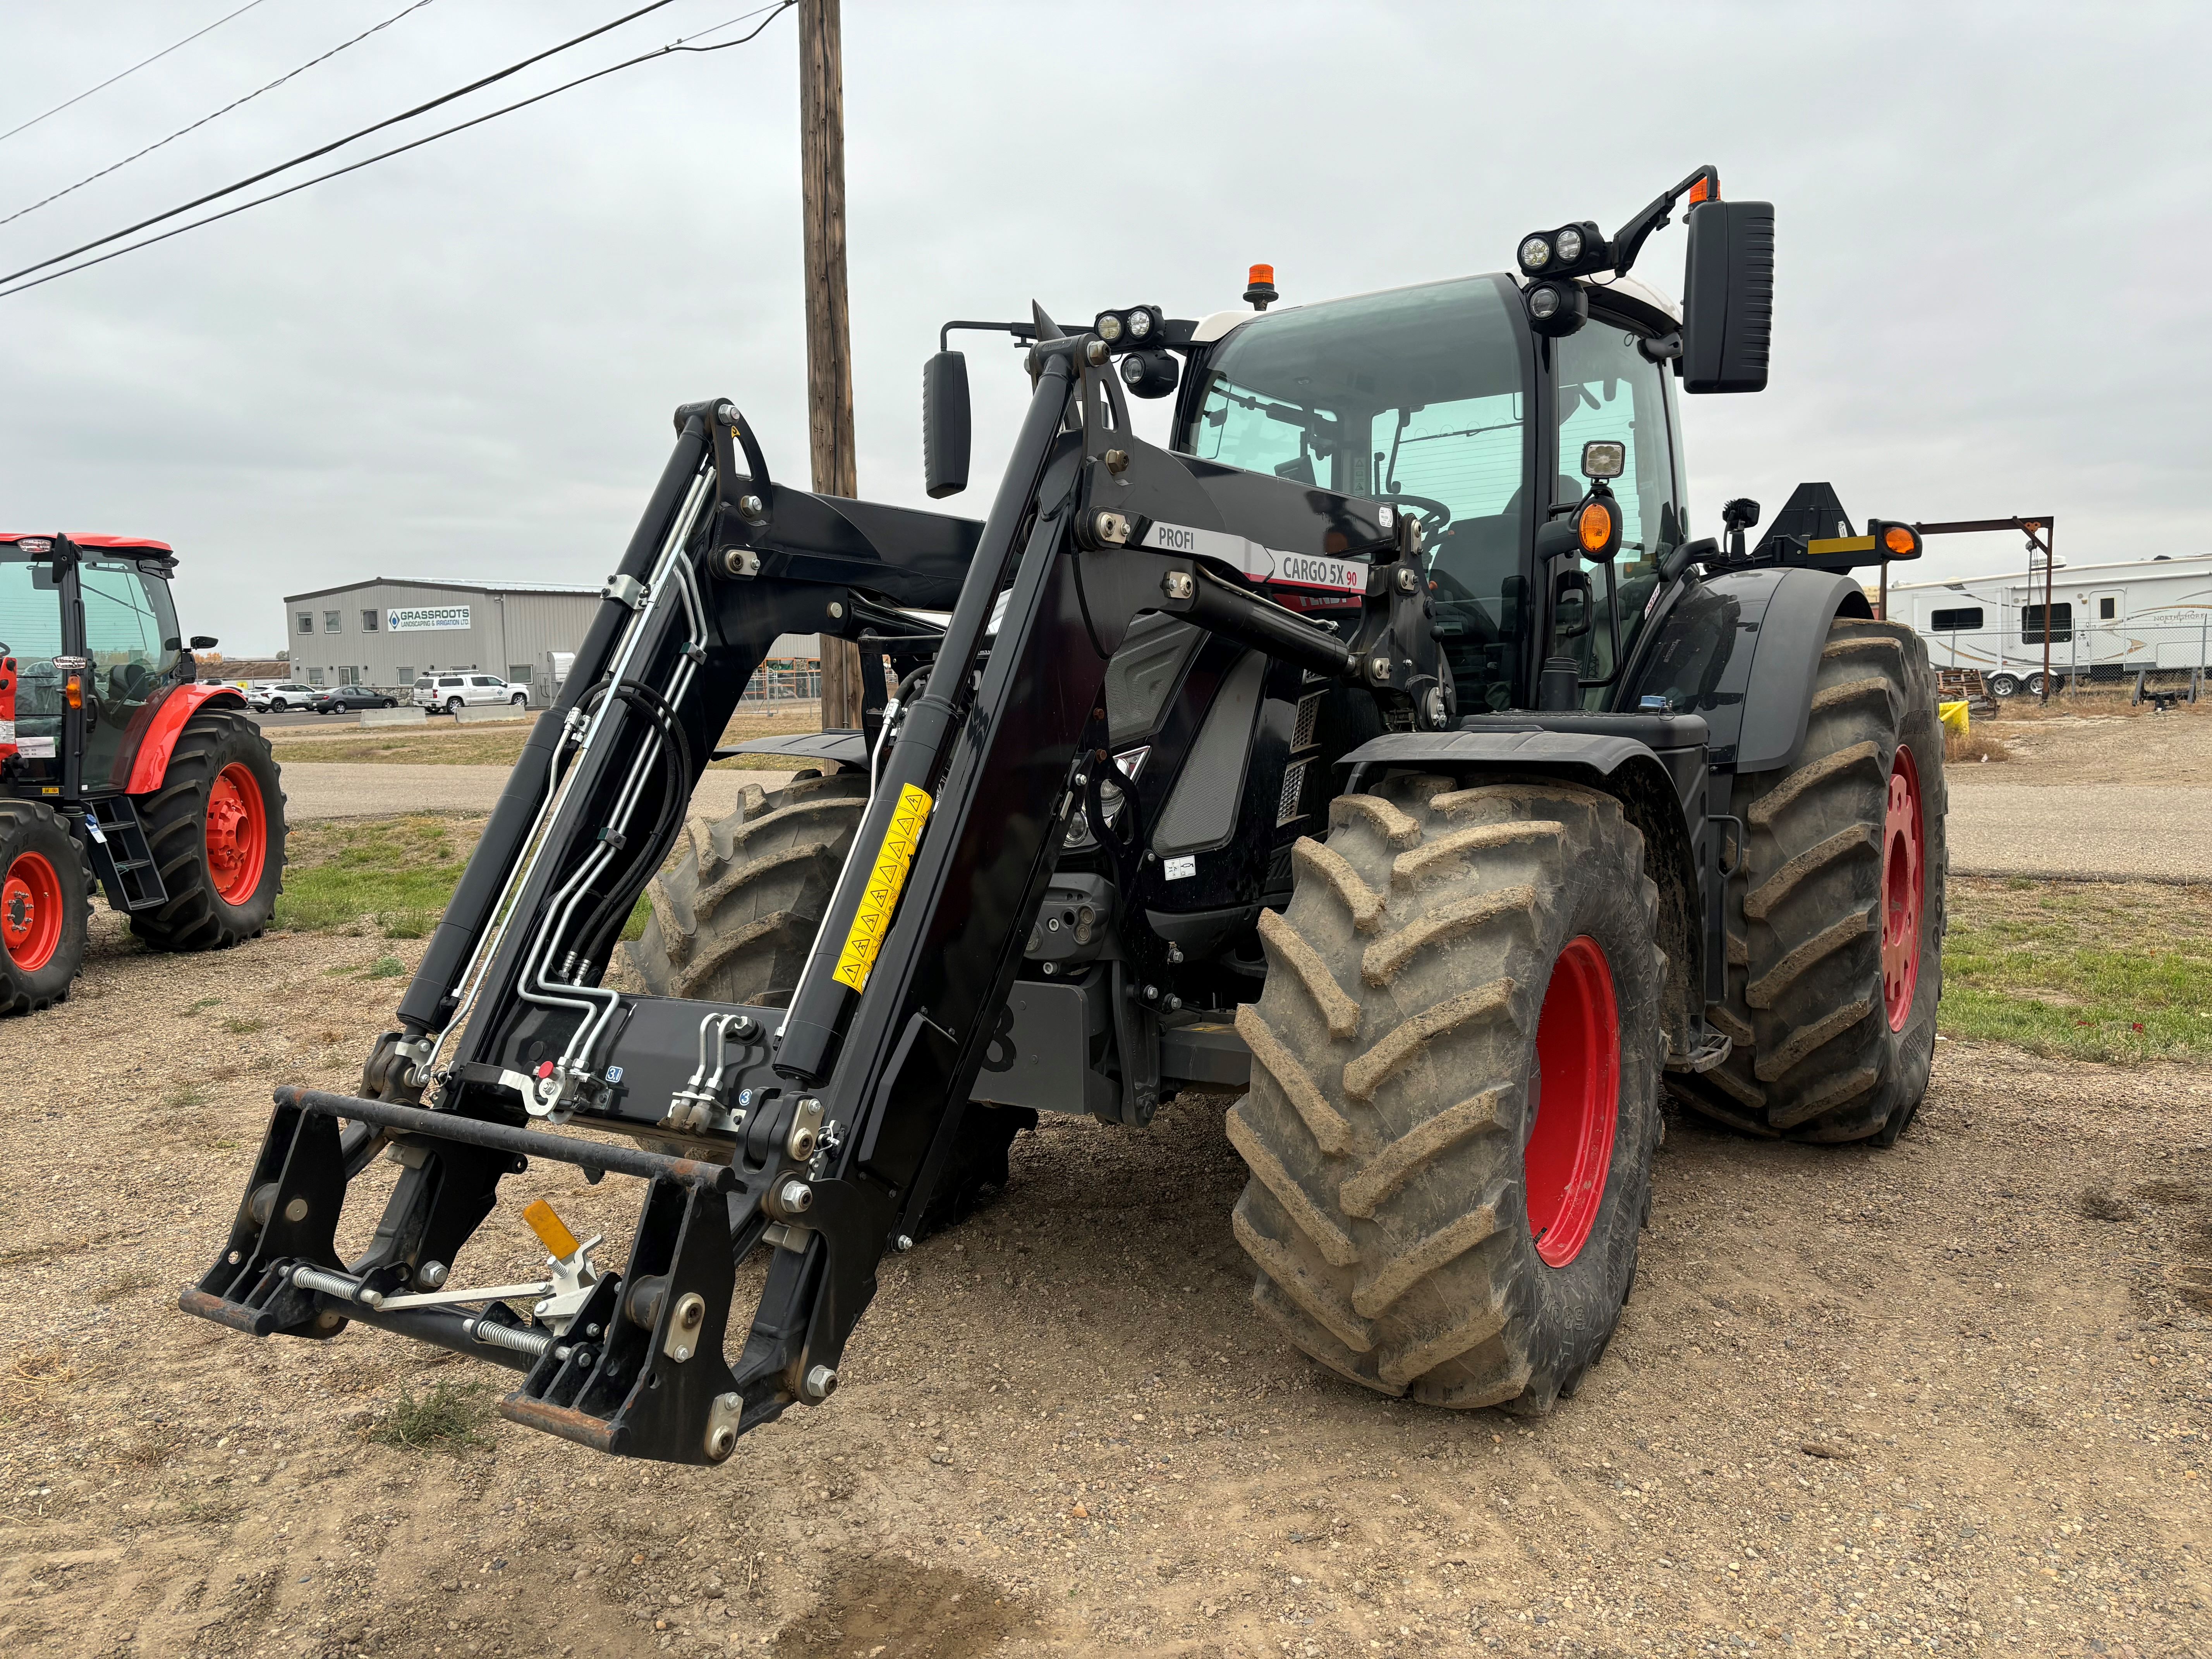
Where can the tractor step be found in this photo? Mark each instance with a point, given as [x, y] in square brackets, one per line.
[120, 856]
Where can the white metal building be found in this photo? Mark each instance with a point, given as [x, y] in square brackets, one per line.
[384, 632]
[2105, 621]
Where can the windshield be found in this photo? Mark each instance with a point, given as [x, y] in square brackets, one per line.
[1417, 397]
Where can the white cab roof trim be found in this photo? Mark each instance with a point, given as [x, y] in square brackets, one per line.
[1221, 322]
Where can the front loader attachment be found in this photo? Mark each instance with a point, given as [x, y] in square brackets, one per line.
[815, 1132]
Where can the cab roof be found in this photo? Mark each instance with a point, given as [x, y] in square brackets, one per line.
[119, 543]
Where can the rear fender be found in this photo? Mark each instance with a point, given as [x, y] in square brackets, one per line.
[164, 720]
[1667, 805]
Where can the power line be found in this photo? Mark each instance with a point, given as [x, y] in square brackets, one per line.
[133, 70]
[225, 110]
[339, 144]
[679, 45]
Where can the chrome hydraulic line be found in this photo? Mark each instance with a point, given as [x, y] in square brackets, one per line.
[583, 729]
[537, 983]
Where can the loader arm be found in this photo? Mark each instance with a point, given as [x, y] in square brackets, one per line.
[815, 1132]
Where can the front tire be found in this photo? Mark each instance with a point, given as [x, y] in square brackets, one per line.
[216, 828]
[46, 907]
[1454, 1090]
[1836, 920]
[736, 919]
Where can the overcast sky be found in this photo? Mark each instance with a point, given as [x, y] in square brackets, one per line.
[461, 363]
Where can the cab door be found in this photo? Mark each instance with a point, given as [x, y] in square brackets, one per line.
[125, 630]
[31, 613]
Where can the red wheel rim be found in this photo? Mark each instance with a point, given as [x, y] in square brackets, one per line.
[237, 834]
[31, 911]
[1904, 889]
[1570, 1148]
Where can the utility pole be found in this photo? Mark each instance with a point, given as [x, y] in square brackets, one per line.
[829, 328]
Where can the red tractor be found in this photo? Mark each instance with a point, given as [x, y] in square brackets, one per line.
[118, 768]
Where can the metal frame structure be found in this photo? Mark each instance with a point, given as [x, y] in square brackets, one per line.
[2042, 533]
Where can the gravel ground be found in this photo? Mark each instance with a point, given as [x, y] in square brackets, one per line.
[2103, 832]
[370, 789]
[1950, 1397]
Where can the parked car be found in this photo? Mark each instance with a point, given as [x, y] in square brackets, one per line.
[275, 696]
[450, 691]
[344, 699]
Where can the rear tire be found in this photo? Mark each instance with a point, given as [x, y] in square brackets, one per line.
[453, 707]
[46, 907]
[1833, 977]
[1454, 1090]
[736, 919]
[216, 828]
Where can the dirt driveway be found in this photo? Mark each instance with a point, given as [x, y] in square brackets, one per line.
[1949, 1396]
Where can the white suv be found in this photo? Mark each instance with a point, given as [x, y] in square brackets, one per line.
[275, 696]
[450, 691]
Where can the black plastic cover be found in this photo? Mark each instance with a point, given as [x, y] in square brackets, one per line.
[946, 426]
[1728, 297]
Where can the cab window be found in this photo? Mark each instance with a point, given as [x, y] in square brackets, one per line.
[1606, 389]
[31, 632]
[130, 633]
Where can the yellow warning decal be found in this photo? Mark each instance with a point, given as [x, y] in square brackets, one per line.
[893, 860]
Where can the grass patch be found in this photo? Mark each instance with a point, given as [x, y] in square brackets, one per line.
[244, 1025]
[493, 745]
[186, 1095]
[203, 1005]
[446, 1418]
[384, 968]
[2116, 972]
[400, 871]
[1975, 745]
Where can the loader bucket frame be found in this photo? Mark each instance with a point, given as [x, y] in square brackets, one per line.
[819, 1131]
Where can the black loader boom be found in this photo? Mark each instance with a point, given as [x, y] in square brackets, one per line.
[1302, 758]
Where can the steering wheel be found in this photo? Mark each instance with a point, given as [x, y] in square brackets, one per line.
[1435, 515]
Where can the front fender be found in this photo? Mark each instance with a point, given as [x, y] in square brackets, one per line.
[1654, 764]
[165, 720]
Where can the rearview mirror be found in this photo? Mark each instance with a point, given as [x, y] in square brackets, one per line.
[204, 641]
[945, 425]
[1728, 297]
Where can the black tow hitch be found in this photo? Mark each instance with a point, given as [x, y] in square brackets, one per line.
[638, 1368]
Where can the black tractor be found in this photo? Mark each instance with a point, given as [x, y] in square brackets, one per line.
[116, 770]
[1385, 749]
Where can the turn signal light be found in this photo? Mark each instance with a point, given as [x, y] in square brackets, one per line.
[1894, 541]
[1597, 528]
[73, 691]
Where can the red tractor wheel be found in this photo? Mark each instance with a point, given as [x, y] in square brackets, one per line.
[216, 828]
[46, 906]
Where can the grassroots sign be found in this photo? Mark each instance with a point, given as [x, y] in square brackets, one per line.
[398, 620]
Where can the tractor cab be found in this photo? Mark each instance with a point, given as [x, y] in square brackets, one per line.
[90, 623]
[1443, 400]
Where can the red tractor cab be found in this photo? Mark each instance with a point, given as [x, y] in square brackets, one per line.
[117, 768]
